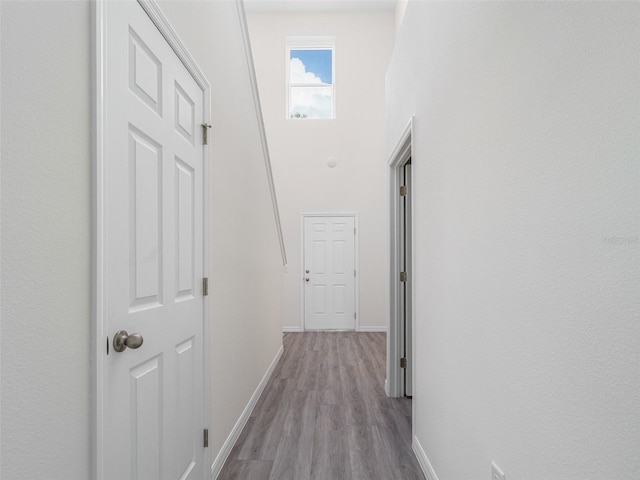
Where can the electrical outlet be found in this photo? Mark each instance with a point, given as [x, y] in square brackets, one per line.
[496, 473]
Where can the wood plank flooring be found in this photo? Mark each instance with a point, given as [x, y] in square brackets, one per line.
[324, 415]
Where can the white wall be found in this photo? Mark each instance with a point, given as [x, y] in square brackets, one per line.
[46, 232]
[300, 148]
[46, 240]
[527, 261]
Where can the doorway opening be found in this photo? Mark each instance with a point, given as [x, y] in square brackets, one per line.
[400, 351]
[404, 263]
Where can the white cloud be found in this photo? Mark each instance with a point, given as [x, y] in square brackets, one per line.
[312, 102]
[299, 73]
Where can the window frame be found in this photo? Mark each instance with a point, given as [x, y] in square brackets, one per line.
[310, 43]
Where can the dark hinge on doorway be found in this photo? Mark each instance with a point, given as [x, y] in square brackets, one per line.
[206, 437]
[403, 363]
[205, 287]
[404, 190]
[205, 133]
[403, 276]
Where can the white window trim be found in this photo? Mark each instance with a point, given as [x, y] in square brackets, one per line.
[311, 43]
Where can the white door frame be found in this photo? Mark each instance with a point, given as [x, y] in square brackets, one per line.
[99, 332]
[399, 157]
[356, 284]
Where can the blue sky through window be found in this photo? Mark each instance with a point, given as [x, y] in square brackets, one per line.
[317, 62]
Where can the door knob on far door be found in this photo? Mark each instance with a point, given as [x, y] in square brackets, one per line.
[306, 279]
[122, 340]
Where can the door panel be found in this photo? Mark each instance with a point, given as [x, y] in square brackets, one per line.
[154, 187]
[146, 418]
[329, 256]
[185, 236]
[145, 234]
[319, 299]
[145, 73]
[319, 259]
[339, 299]
[339, 257]
[186, 391]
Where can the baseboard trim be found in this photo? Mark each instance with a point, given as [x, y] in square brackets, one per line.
[360, 329]
[424, 462]
[291, 329]
[224, 452]
[372, 329]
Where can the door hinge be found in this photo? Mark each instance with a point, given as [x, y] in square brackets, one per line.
[403, 276]
[404, 190]
[403, 363]
[354, 315]
[205, 133]
[205, 287]
[354, 273]
[206, 438]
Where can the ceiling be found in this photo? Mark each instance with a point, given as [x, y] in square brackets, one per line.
[320, 5]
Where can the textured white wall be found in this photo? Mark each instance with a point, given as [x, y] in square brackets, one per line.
[46, 240]
[300, 148]
[527, 263]
[247, 266]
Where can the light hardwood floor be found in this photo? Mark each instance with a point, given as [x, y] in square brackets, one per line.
[324, 415]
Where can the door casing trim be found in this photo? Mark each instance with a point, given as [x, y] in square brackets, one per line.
[401, 154]
[99, 332]
[356, 284]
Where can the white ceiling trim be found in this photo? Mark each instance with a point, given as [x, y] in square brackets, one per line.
[283, 6]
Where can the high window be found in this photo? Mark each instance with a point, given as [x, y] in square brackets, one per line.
[310, 77]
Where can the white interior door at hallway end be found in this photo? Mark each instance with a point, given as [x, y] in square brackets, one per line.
[154, 228]
[329, 273]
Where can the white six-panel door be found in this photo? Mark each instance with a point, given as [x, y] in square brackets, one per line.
[153, 183]
[329, 272]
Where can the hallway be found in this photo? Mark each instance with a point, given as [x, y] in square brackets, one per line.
[324, 415]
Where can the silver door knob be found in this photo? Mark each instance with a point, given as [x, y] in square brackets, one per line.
[122, 340]
[306, 279]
